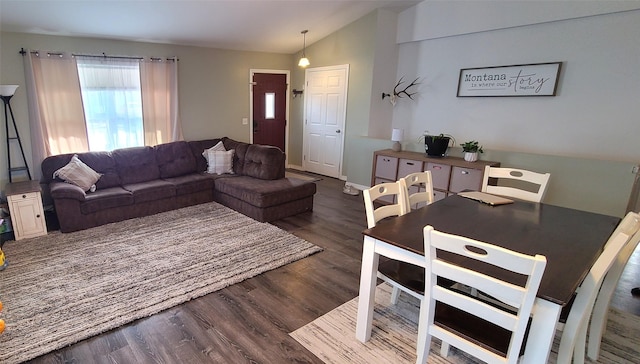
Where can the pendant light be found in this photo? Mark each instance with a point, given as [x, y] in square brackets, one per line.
[304, 61]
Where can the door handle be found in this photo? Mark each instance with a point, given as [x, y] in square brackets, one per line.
[338, 131]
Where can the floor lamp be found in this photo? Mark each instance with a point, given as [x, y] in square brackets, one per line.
[6, 93]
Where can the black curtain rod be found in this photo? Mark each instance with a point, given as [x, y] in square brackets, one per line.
[23, 52]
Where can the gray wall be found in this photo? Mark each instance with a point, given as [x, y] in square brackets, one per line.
[586, 136]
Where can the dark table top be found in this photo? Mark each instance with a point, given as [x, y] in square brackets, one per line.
[570, 239]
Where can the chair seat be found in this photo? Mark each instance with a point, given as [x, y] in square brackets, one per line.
[484, 333]
[408, 275]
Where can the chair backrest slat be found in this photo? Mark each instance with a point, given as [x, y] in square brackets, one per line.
[421, 181]
[520, 179]
[390, 189]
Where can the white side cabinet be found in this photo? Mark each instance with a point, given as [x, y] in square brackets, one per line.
[25, 208]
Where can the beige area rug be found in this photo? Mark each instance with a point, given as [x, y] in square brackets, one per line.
[63, 288]
[302, 176]
[393, 339]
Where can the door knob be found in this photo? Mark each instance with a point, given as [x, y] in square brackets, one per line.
[338, 131]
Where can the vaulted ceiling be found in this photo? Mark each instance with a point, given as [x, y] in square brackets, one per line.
[253, 25]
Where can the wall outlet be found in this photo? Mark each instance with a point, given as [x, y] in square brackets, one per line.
[245, 121]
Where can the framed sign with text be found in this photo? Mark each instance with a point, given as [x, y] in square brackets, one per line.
[539, 79]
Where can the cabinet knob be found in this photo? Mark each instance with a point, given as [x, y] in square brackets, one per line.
[38, 216]
[465, 172]
[24, 196]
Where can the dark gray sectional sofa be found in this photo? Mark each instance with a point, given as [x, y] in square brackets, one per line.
[146, 180]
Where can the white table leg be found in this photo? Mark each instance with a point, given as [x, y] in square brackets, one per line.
[366, 299]
[543, 329]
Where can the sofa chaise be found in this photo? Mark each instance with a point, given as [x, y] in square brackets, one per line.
[140, 181]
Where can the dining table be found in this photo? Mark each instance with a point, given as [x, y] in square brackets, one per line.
[570, 239]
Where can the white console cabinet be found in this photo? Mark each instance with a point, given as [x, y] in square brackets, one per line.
[25, 208]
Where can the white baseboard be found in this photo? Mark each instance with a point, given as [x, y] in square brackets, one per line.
[296, 167]
[355, 185]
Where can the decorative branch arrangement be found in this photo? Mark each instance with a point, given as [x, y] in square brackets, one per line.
[398, 94]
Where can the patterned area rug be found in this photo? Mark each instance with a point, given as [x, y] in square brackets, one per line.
[63, 288]
[395, 329]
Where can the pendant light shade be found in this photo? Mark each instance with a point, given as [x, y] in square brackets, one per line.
[304, 61]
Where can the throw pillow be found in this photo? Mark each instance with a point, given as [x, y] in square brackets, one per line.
[220, 162]
[79, 174]
[218, 147]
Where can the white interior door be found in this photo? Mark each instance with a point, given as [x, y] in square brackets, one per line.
[324, 119]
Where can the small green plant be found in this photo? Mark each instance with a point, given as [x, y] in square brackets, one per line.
[471, 147]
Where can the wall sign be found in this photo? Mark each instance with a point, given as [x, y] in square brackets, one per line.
[539, 79]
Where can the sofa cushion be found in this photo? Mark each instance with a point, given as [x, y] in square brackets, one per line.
[264, 162]
[191, 183]
[151, 190]
[265, 193]
[220, 162]
[175, 159]
[239, 157]
[218, 147]
[79, 174]
[101, 162]
[137, 164]
[199, 146]
[107, 198]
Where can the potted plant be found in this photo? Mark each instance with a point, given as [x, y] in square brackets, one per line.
[436, 145]
[471, 150]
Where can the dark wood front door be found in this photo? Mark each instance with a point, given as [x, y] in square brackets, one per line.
[269, 109]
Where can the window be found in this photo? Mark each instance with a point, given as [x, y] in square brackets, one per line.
[112, 101]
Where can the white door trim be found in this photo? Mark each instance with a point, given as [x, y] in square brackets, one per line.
[253, 71]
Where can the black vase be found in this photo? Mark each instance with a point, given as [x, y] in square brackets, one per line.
[436, 146]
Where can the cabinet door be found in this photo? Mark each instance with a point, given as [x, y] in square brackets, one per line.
[27, 216]
[408, 166]
[440, 175]
[386, 167]
[465, 179]
[438, 195]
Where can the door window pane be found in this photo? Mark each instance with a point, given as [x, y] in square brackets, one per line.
[269, 105]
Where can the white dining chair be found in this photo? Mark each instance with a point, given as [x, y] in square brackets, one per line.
[517, 183]
[465, 321]
[601, 306]
[398, 193]
[616, 252]
[373, 195]
[423, 183]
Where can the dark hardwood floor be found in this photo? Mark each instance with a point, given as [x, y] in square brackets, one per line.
[249, 322]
